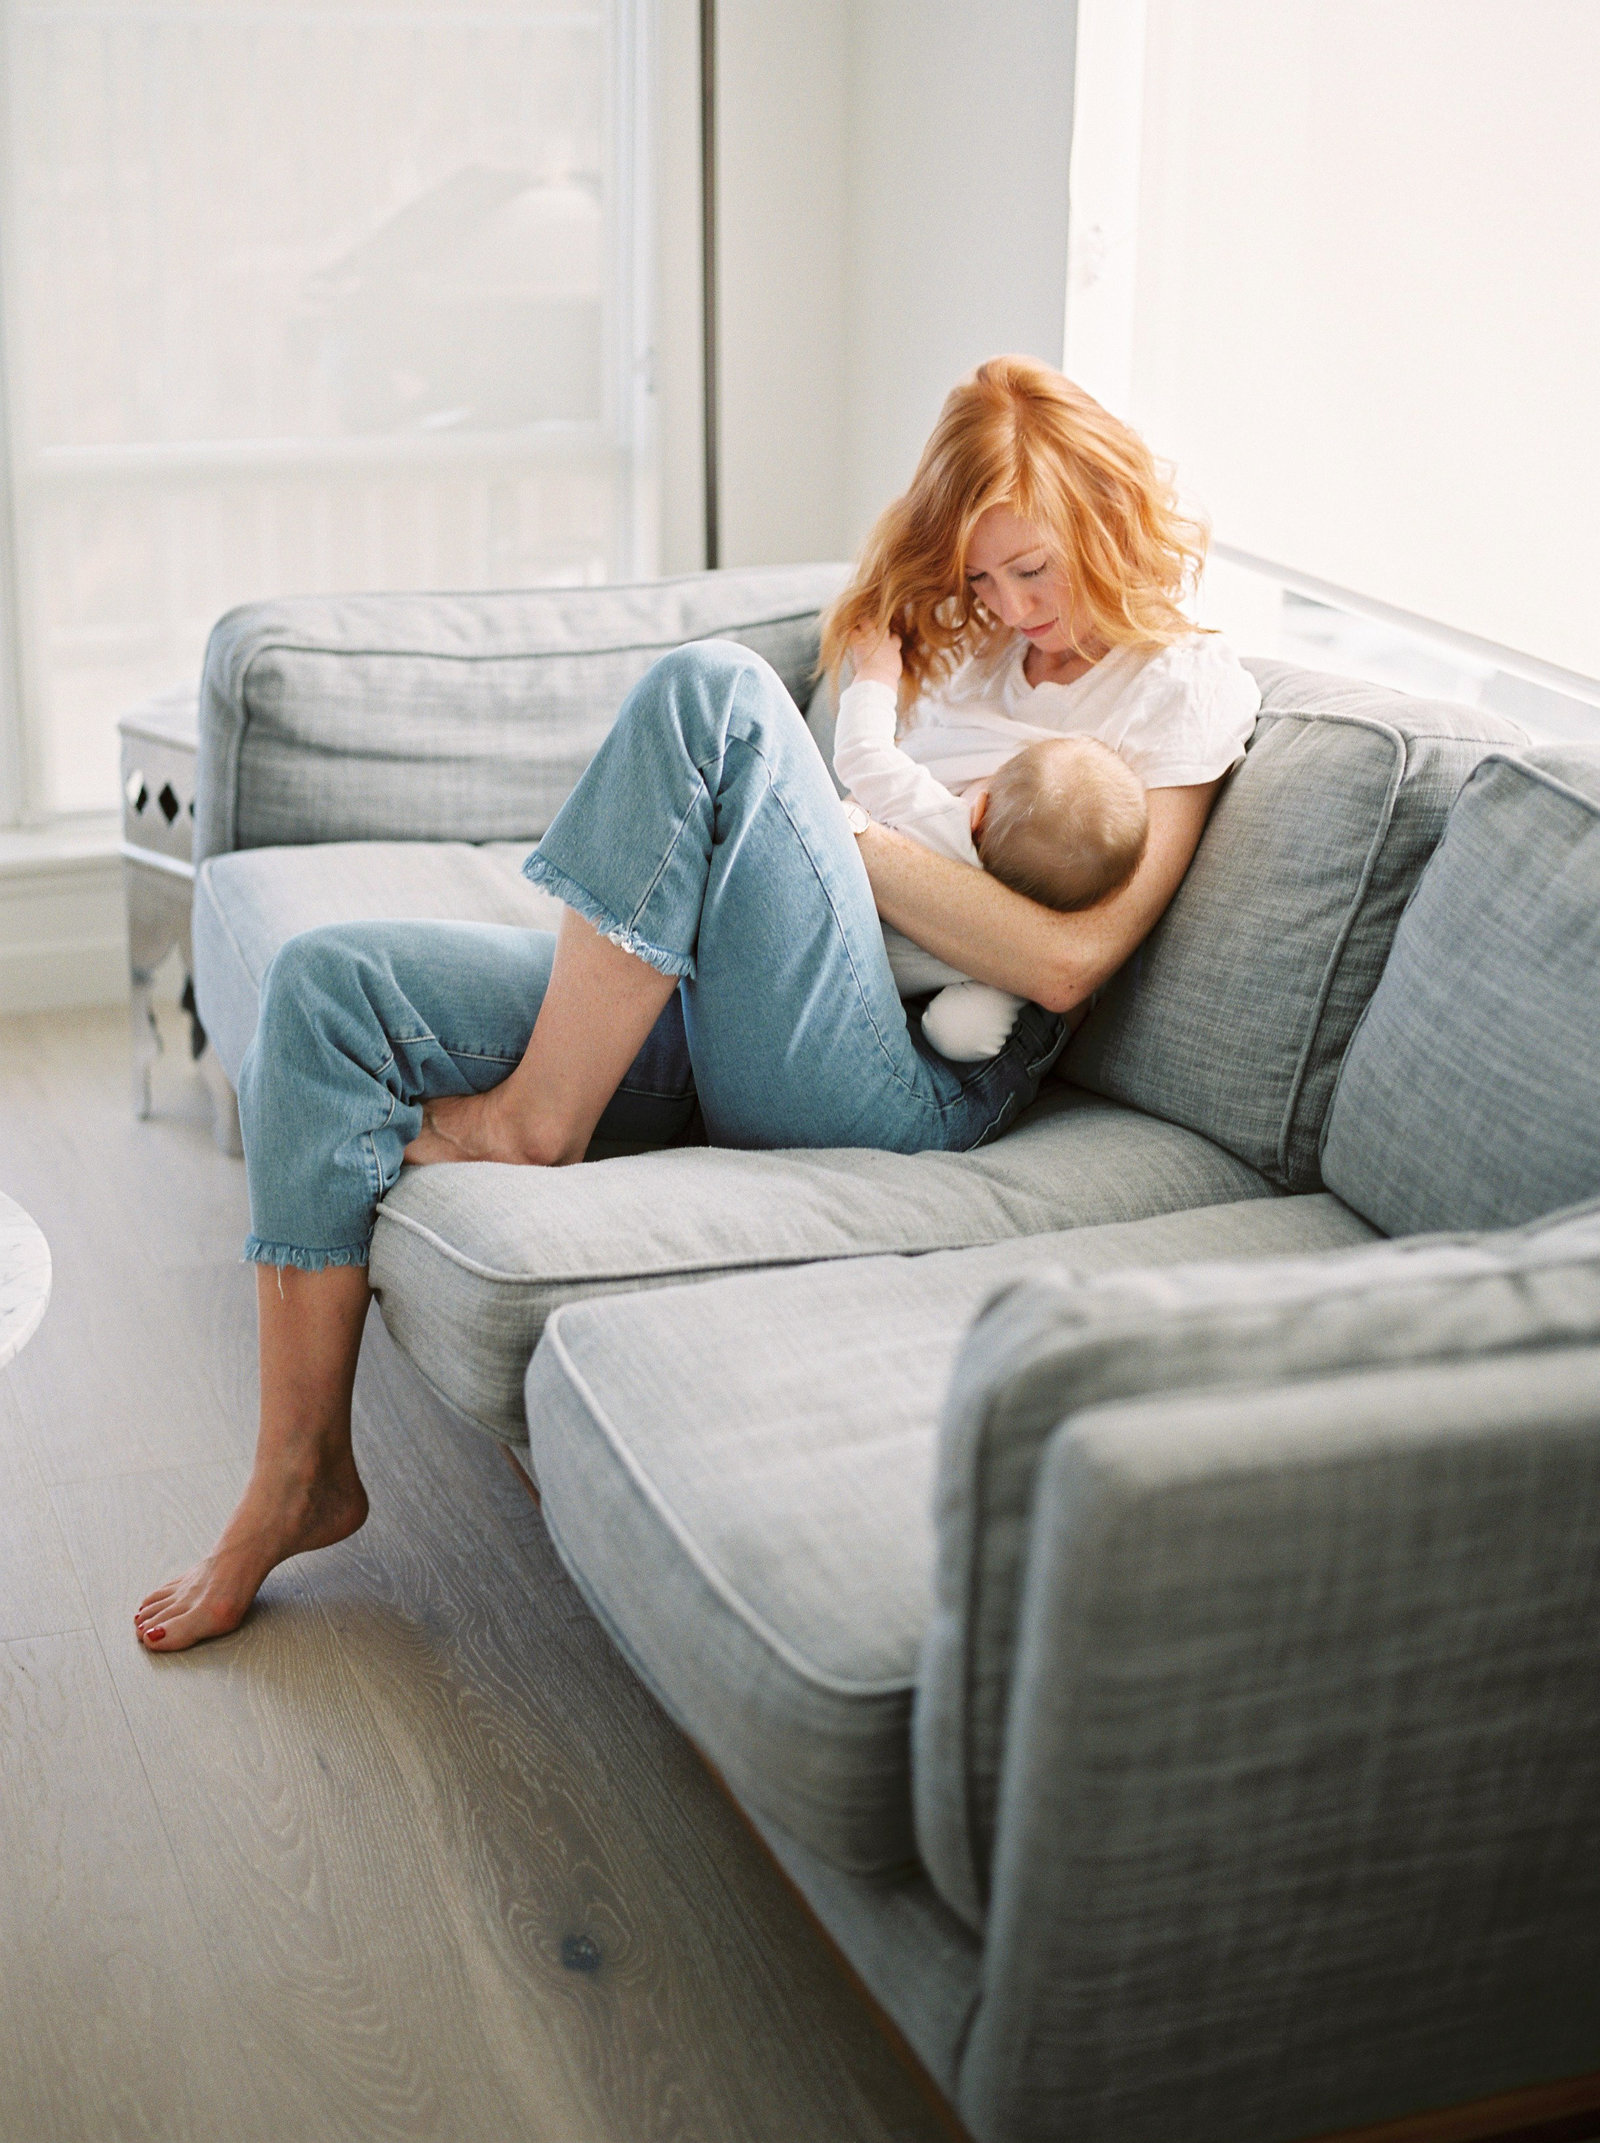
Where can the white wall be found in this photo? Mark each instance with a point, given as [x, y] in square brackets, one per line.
[961, 131]
[63, 934]
[893, 208]
[677, 311]
[1368, 323]
[783, 117]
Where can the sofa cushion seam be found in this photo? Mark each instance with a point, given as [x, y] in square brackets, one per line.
[1336, 950]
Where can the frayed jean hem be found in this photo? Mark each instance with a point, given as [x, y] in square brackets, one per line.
[539, 870]
[256, 1252]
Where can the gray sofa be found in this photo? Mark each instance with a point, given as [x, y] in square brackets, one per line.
[1143, 1577]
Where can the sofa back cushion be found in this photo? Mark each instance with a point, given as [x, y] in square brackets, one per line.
[454, 717]
[1470, 1096]
[1233, 1016]
[1051, 1348]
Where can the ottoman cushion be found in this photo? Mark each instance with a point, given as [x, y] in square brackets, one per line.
[739, 1477]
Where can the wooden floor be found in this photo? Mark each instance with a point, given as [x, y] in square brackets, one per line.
[411, 1855]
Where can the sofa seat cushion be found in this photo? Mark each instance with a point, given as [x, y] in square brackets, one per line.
[739, 1477]
[1060, 1346]
[469, 1261]
[249, 903]
[1235, 1014]
[1471, 1094]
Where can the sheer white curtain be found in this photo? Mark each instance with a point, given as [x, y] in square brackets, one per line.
[1337, 260]
[302, 298]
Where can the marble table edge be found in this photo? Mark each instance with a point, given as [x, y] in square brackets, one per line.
[25, 1278]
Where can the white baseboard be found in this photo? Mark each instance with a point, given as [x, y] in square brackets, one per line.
[63, 933]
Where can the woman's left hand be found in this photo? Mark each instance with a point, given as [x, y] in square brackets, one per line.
[467, 1127]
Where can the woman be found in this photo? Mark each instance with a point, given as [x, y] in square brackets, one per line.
[722, 940]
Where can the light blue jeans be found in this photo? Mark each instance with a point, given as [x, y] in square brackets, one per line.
[705, 837]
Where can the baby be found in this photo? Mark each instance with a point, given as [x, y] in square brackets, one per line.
[1062, 820]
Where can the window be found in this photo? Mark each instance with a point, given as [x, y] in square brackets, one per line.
[302, 298]
[1336, 259]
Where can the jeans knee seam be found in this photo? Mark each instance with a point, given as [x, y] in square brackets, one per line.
[844, 937]
[374, 1165]
[667, 855]
[940, 1108]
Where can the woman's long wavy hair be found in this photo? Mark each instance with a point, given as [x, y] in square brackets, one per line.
[1016, 434]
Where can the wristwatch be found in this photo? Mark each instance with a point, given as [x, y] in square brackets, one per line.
[854, 817]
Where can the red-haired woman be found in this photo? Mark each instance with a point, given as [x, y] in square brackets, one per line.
[722, 942]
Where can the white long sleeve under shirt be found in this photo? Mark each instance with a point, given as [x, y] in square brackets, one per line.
[888, 782]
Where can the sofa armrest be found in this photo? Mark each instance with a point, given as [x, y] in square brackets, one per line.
[1299, 1820]
[1060, 1343]
[451, 717]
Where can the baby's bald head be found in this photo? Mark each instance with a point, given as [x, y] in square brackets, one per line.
[1065, 822]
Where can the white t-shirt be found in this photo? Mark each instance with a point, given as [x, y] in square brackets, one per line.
[1179, 716]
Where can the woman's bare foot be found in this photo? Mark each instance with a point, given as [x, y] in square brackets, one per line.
[304, 1490]
[275, 1519]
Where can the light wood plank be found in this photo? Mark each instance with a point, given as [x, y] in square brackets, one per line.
[136, 1370]
[39, 1593]
[111, 2019]
[160, 1184]
[313, 1875]
[706, 1965]
[146, 1357]
[441, 1850]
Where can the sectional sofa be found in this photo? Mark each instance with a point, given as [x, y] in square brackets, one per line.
[1142, 1577]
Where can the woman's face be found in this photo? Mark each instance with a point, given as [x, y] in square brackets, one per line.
[1011, 571]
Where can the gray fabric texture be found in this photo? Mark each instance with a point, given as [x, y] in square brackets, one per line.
[450, 717]
[1057, 1345]
[738, 1477]
[1470, 1097]
[904, 1941]
[1234, 1015]
[1301, 1825]
[468, 1262]
[248, 904]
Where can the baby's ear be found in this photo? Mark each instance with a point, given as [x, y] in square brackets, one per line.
[979, 809]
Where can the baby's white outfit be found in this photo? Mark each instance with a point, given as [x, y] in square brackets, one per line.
[1179, 716]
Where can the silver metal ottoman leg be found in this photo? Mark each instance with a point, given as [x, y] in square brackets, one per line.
[145, 1037]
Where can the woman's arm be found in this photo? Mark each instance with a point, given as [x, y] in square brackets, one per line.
[981, 926]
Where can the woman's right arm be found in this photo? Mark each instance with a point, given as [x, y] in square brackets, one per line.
[971, 920]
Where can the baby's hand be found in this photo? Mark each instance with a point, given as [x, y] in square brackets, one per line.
[875, 658]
